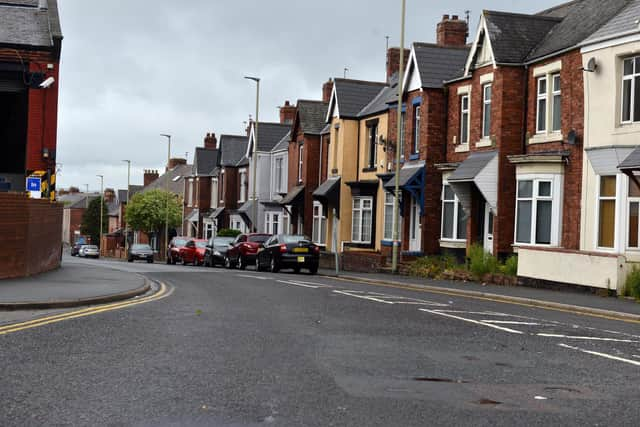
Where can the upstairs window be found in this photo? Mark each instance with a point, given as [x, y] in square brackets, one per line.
[300, 157]
[416, 130]
[548, 88]
[214, 192]
[541, 116]
[631, 90]
[556, 105]
[372, 151]
[278, 174]
[486, 111]
[464, 119]
[243, 186]
[190, 200]
[403, 118]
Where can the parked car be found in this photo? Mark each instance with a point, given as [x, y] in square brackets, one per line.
[244, 249]
[140, 252]
[289, 251]
[89, 251]
[216, 250]
[193, 252]
[173, 251]
[75, 249]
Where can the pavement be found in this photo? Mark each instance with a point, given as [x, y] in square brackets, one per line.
[71, 285]
[579, 301]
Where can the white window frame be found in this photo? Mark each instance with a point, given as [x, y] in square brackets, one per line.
[555, 93]
[556, 181]
[190, 201]
[465, 115]
[372, 147]
[456, 211]
[630, 199]
[415, 148]
[214, 193]
[632, 79]
[403, 118]
[389, 215]
[357, 237]
[278, 166]
[486, 106]
[319, 233]
[300, 160]
[243, 186]
[541, 95]
[273, 222]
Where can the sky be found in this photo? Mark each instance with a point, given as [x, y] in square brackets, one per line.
[132, 70]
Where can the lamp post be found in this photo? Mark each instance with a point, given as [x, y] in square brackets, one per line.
[255, 153]
[126, 230]
[166, 211]
[101, 208]
[396, 201]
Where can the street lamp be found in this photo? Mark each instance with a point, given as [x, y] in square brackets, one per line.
[101, 208]
[126, 230]
[166, 212]
[255, 153]
[396, 201]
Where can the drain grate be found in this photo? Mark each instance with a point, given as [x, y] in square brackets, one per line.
[440, 380]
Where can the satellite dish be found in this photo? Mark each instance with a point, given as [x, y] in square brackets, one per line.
[571, 138]
[592, 65]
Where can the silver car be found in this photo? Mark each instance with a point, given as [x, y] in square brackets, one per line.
[89, 251]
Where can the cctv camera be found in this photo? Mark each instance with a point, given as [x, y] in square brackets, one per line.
[47, 83]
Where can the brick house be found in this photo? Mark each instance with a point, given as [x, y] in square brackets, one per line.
[29, 71]
[232, 181]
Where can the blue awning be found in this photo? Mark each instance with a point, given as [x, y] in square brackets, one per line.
[412, 180]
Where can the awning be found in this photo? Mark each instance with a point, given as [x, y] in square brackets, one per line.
[293, 196]
[194, 216]
[479, 169]
[632, 162]
[605, 160]
[215, 213]
[328, 193]
[411, 179]
[246, 212]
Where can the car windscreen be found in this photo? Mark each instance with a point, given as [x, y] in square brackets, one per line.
[259, 239]
[140, 247]
[201, 244]
[223, 241]
[294, 239]
[179, 242]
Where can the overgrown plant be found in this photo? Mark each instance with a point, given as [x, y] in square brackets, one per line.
[481, 262]
[228, 232]
[432, 266]
[510, 267]
[632, 284]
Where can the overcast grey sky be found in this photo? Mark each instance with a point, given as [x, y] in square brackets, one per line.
[132, 69]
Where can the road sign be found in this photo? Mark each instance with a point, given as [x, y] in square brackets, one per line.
[33, 183]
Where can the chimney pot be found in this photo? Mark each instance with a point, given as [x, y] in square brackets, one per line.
[287, 113]
[327, 89]
[445, 17]
[452, 33]
[454, 17]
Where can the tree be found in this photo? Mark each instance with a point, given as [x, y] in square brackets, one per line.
[146, 212]
[91, 220]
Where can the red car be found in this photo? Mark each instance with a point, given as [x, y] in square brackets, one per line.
[244, 250]
[193, 252]
[173, 251]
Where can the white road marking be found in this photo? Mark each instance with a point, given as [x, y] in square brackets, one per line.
[607, 356]
[636, 356]
[301, 284]
[477, 322]
[252, 277]
[585, 338]
[510, 322]
[484, 313]
[389, 299]
[362, 297]
[322, 285]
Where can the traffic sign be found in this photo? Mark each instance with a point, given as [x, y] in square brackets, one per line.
[33, 183]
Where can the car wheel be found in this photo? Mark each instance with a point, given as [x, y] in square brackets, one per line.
[274, 267]
[313, 270]
[242, 263]
[150, 261]
[130, 260]
[296, 270]
[227, 263]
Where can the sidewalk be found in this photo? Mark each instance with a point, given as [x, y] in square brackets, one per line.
[577, 301]
[70, 286]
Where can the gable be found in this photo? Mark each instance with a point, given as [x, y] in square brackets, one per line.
[333, 110]
[412, 73]
[481, 51]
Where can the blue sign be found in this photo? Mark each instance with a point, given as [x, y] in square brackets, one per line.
[33, 184]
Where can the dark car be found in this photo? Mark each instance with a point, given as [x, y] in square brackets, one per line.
[75, 249]
[173, 251]
[289, 251]
[140, 252]
[216, 250]
[244, 250]
[193, 252]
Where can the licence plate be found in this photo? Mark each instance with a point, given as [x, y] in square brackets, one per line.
[301, 259]
[300, 250]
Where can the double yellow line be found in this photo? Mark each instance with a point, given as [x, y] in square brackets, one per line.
[164, 292]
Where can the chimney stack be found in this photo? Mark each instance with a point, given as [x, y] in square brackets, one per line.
[452, 32]
[175, 161]
[109, 195]
[393, 61]
[210, 141]
[150, 176]
[287, 113]
[327, 90]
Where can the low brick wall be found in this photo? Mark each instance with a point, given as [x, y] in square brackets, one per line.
[363, 262]
[31, 233]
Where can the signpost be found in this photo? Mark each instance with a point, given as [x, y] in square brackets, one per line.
[34, 187]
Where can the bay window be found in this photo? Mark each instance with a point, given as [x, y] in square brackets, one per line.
[402, 136]
[541, 116]
[278, 175]
[538, 210]
[300, 157]
[631, 90]
[372, 148]
[633, 240]
[190, 199]
[454, 220]
[362, 217]
[607, 211]
[243, 185]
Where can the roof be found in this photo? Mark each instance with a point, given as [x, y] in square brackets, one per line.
[437, 64]
[472, 166]
[326, 130]
[194, 216]
[625, 22]
[233, 148]
[204, 161]
[632, 162]
[135, 189]
[246, 210]
[175, 178]
[312, 116]
[353, 95]
[83, 202]
[23, 23]
[283, 144]
[122, 196]
[270, 134]
[215, 213]
[381, 102]
[327, 187]
[407, 173]
[291, 197]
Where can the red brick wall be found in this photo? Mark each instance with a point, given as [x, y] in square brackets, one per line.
[31, 233]
[75, 222]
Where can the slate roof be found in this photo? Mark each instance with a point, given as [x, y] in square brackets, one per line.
[233, 149]
[632, 162]
[204, 161]
[175, 186]
[438, 64]
[354, 95]
[270, 134]
[326, 130]
[381, 102]
[283, 144]
[472, 166]
[135, 189]
[407, 173]
[312, 116]
[23, 23]
[83, 202]
[122, 196]
[622, 23]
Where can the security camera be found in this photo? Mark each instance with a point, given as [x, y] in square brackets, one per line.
[47, 83]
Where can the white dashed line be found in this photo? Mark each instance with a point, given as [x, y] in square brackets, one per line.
[252, 277]
[585, 338]
[302, 285]
[595, 353]
[477, 322]
[509, 322]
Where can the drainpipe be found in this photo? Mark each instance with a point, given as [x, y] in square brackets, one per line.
[525, 109]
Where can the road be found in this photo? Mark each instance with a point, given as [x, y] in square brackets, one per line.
[241, 348]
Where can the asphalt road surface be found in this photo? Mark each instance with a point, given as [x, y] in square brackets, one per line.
[240, 348]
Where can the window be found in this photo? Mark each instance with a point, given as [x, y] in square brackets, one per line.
[208, 230]
[214, 193]
[633, 240]
[373, 136]
[556, 106]
[631, 90]
[534, 211]
[388, 216]
[607, 212]
[286, 223]
[454, 220]
[243, 186]
[486, 111]
[224, 192]
[319, 224]
[272, 222]
[361, 223]
[548, 87]
[464, 119]
[300, 158]
[403, 117]
[278, 175]
[190, 200]
[334, 143]
[416, 130]
[541, 116]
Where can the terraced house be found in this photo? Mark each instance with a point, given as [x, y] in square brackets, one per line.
[232, 179]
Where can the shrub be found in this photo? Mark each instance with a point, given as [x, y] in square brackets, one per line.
[511, 266]
[481, 262]
[432, 266]
[632, 284]
[228, 232]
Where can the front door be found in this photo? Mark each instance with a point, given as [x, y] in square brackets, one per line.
[488, 229]
[415, 228]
